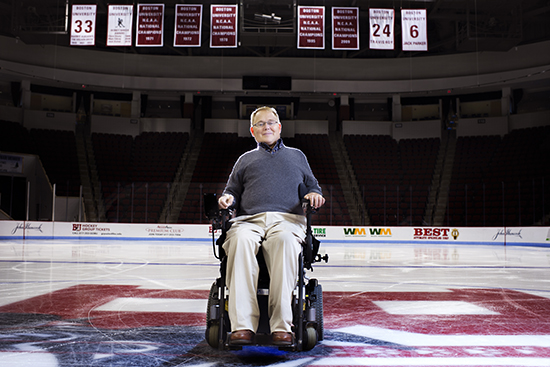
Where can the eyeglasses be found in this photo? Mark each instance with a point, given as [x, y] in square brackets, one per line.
[269, 123]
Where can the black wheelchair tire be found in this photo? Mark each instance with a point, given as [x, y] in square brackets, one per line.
[318, 305]
[310, 338]
[212, 327]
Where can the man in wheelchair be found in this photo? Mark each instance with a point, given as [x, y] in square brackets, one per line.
[266, 187]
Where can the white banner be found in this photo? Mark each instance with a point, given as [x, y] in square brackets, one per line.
[381, 29]
[414, 29]
[83, 21]
[119, 25]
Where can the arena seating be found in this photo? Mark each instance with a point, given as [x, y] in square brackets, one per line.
[15, 138]
[472, 158]
[136, 175]
[218, 153]
[57, 151]
[500, 182]
[495, 180]
[394, 177]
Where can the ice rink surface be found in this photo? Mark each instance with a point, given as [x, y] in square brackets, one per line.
[143, 303]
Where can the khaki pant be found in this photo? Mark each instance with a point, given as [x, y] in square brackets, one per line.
[282, 234]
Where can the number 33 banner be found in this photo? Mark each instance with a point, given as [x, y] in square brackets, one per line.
[83, 25]
[414, 29]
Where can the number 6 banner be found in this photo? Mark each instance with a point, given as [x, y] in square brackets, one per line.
[83, 25]
[381, 29]
[414, 29]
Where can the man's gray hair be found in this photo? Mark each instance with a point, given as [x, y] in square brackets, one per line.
[253, 114]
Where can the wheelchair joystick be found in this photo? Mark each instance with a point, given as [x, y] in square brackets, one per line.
[320, 258]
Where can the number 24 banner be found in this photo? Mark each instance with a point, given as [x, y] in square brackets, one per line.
[414, 29]
[83, 21]
[381, 29]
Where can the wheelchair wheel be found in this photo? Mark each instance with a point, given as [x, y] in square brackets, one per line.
[317, 303]
[212, 325]
[212, 335]
[310, 338]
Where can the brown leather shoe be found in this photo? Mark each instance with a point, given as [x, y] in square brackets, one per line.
[281, 338]
[241, 337]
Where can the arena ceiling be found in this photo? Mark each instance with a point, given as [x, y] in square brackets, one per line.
[454, 26]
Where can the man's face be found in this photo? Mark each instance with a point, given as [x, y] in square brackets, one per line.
[266, 134]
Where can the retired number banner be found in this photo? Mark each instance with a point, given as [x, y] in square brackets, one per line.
[381, 29]
[345, 28]
[223, 23]
[119, 25]
[150, 25]
[188, 25]
[83, 25]
[311, 27]
[414, 29]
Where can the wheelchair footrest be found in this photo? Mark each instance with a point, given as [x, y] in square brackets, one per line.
[262, 340]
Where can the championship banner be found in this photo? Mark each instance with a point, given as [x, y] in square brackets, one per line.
[150, 25]
[345, 28]
[119, 25]
[83, 25]
[381, 29]
[311, 27]
[223, 23]
[187, 29]
[414, 29]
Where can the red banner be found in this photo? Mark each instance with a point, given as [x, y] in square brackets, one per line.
[311, 27]
[188, 25]
[150, 25]
[223, 26]
[345, 28]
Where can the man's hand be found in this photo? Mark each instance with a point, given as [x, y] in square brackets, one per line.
[225, 201]
[315, 200]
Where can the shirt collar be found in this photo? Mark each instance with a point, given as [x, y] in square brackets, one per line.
[278, 145]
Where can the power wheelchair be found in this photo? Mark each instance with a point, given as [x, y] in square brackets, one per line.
[307, 299]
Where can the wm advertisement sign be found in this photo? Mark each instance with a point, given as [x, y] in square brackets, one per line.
[372, 232]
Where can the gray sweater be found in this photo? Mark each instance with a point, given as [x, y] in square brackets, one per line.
[263, 181]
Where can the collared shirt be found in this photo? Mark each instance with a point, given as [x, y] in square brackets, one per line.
[275, 148]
